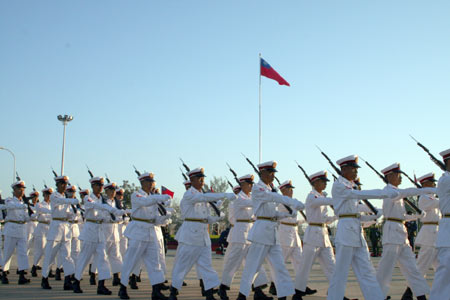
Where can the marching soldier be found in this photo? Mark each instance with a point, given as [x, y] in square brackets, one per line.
[32, 223]
[263, 235]
[123, 222]
[194, 243]
[75, 220]
[396, 247]
[351, 247]
[15, 232]
[441, 284]
[241, 217]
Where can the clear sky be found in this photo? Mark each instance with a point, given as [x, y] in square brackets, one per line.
[151, 81]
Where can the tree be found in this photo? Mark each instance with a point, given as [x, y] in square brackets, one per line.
[128, 190]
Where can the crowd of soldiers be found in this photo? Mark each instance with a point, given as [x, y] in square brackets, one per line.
[116, 243]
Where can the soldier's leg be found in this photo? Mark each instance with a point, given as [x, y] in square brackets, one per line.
[366, 275]
[39, 244]
[304, 268]
[297, 256]
[152, 262]
[327, 261]
[254, 259]
[185, 259]
[338, 282]
[283, 281]
[205, 268]
[75, 249]
[67, 261]
[86, 253]
[234, 256]
[133, 256]
[426, 258]
[9, 246]
[22, 256]
[113, 256]
[104, 271]
[441, 284]
[407, 263]
[386, 266]
[50, 251]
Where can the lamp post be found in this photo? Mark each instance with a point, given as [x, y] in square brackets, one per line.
[14, 158]
[64, 119]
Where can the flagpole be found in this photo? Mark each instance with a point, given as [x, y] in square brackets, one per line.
[260, 149]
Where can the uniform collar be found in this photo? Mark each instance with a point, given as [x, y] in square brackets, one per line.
[345, 181]
[261, 183]
[244, 195]
[316, 192]
[141, 191]
[392, 186]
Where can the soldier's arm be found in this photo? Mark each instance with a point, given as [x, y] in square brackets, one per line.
[268, 196]
[43, 210]
[313, 202]
[141, 201]
[203, 197]
[10, 204]
[427, 203]
[61, 201]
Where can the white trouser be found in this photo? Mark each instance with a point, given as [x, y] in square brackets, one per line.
[441, 284]
[162, 255]
[75, 250]
[123, 245]
[326, 260]
[20, 244]
[30, 243]
[292, 253]
[39, 246]
[358, 258]
[186, 257]
[256, 255]
[234, 258]
[88, 249]
[51, 249]
[148, 253]
[404, 256]
[427, 258]
[113, 256]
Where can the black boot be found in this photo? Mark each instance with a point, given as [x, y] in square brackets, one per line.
[5, 278]
[76, 286]
[50, 274]
[138, 278]
[210, 294]
[298, 295]
[423, 297]
[132, 282]
[173, 293]
[68, 283]
[156, 292]
[22, 279]
[101, 288]
[259, 294]
[223, 292]
[184, 283]
[38, 268]
[116, 279]
[273, 289]
[58, 274]
[44, 284]
[241, 297]
[123, 292]
[164, 287]
[33, 271]
[407, 295]
[92, 279]
[282, 298]
[202, 287]
[310, 291]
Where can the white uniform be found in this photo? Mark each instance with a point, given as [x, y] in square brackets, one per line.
[142, 239]
[316, 240]
[194, 243]
[43, 214]
[351, 246]
[15, 232]
[123, 239]
[396, 247]
[75, 221]
[59, 235]
[426, 238]
[441, 284]
[111, 228]
[265, 240]
[241, 216]
[31, 226]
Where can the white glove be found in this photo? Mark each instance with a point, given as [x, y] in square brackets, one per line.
[324, 194]
[298, 205]
[163, 199]
[379, 213]
[218, 203]
[230, 196]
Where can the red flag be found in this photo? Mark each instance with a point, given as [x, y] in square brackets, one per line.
[269, 72]
[166, 191]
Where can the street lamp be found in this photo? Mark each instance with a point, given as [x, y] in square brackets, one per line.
[14, 158]
[64, 119]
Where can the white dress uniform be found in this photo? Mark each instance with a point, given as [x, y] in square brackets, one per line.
[59, 235]
[15, 232]
[31, 227]
[396, 247]
[142, 239]
[194, 243]
[75, 220]
[316, 242]
[441, 284]
[111, 229]
[123, 239]
[351, 246]
[264, 239]
[43, 212]
[241, 216]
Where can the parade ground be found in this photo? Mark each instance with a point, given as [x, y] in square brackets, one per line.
[190, 292]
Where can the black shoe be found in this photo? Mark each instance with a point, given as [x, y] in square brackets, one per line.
[116, 279]
[310, 291]
[76, 287]
[407, 295]
[38, 268]
[132, 282]
[273, 289]
[58, 275]
[44, 284]
[164, 287]
[33, 271]
[423, 297]
[184, 283]
[210, 294]
[282, 298]
[173, 293]
[138, 278]
[241, 297]
[223, 292]
[202, 287]
[123, 292]
[259, 295]
[345, 298]
[68, 283]
[5, 278]
[50, 274]
[101, 288]
[22, 279]
[156, 292]
[298, 295]
[92, 279]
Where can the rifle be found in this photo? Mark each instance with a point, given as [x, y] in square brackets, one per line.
[26, 199]
[438, 162]
[113, 217]
[338, 171]
[212, 203]
[229, 183]
[386, 181]
[184, 175]
[234, 174]
[274, 189]
[304, 173]
[161, 209]
[412, 180]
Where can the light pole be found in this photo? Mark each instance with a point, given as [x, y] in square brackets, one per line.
[14, 158]
[64, 119]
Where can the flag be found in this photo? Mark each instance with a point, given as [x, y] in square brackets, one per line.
[166, 191]
[269, 72]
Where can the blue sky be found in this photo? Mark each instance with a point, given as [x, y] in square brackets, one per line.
[150, 81]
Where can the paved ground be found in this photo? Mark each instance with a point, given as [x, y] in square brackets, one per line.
[190, 292]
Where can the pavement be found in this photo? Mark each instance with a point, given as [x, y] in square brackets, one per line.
[190, 292]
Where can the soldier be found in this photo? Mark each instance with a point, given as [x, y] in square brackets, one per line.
[75, 219]
[32, 223]
[194, 243]
[263, 235]
[396, 247]
[316, 240]
[241, 217]
[351, 247]
[123, 222]
[441, 284]
[142, 239]
[59, 235]
[44, 212]
[15, 232]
